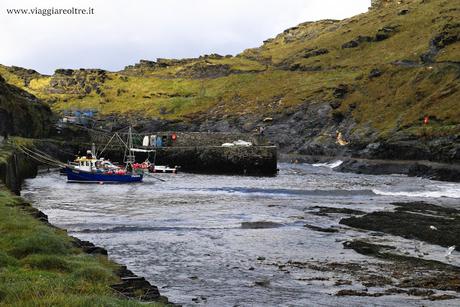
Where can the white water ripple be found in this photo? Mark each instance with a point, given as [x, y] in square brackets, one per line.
[332, 164]
[435, 191]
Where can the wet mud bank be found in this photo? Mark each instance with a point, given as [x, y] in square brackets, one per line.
[397, 271]
[14, 169]
[408, 275]
[412, 275]
[395, 275]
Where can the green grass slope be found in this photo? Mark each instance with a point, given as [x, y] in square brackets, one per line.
[397, 63]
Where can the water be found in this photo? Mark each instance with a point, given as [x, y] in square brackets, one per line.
[185, 236]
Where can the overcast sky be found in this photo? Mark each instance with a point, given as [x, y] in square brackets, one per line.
[123, 31]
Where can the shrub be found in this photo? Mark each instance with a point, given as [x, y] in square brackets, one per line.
[41, 242]
[6, 260]
[93, 274]
[46, 262]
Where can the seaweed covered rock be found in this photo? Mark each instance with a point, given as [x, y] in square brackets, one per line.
[414, 220]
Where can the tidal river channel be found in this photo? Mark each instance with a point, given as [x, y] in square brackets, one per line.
[242, 241]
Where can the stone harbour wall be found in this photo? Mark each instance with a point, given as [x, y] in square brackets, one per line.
[251, 160]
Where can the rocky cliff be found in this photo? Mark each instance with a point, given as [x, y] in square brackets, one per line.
[22, 114]
[14, 168]
[387, 80]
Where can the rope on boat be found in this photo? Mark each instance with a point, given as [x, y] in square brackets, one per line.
[102, 135]
[124, 145]
[44, 154]
[40, 156]
[106, 145]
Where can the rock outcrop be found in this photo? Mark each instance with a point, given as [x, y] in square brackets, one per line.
[23, 114]
[77, 82]
[378, 4]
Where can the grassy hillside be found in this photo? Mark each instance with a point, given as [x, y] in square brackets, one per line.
[385, 69]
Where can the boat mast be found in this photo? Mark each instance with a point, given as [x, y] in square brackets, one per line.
[130, 159]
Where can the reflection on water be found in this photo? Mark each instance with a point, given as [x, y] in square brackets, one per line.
[185, 235]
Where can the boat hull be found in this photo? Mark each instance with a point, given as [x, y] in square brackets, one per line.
[74, 175]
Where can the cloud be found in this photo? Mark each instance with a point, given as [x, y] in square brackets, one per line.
[122, 32]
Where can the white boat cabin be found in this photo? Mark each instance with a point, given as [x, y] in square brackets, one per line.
[85, 164]
[90, 163]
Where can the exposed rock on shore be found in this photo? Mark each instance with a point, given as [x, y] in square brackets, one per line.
[414, 221]
[424, 169]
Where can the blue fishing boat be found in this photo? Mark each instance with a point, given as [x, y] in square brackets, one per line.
[76, 175]
[90, 169]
